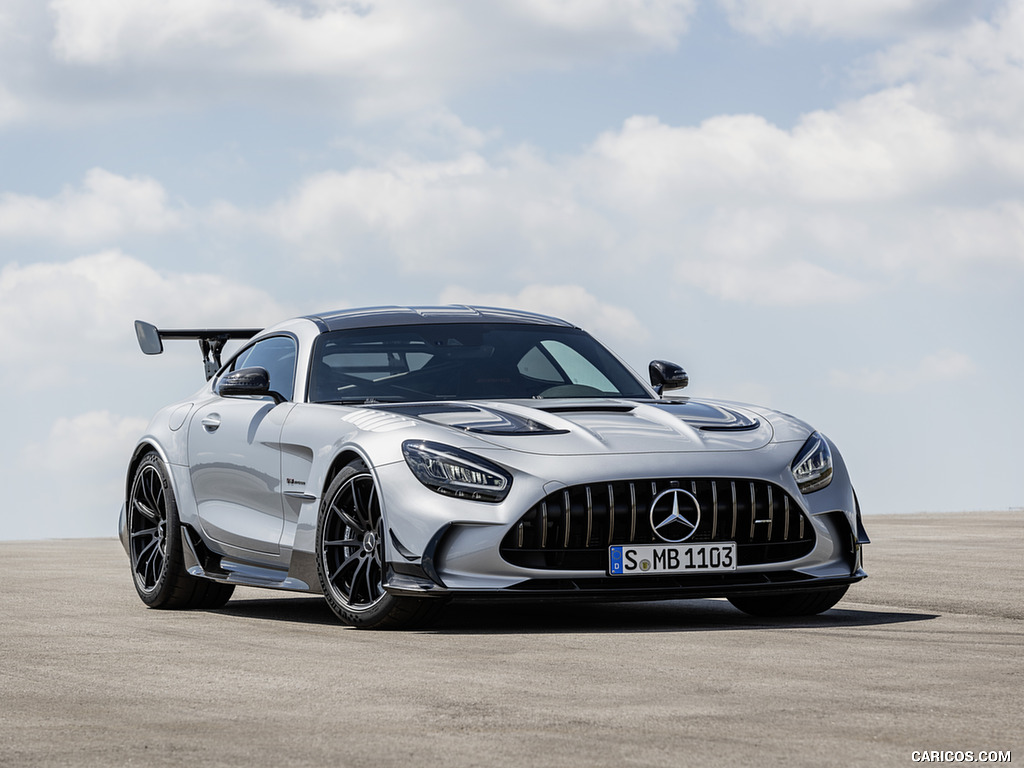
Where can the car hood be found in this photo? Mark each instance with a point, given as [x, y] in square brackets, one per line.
[585, 427]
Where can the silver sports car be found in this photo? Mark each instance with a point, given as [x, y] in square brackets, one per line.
[393, 458]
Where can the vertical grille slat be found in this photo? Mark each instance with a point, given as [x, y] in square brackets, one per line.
[590, 517]
[735, 510]
[611, 513]
[632, 504]
[753, 511]
[714, 509]
[567, 516]
[785, 534]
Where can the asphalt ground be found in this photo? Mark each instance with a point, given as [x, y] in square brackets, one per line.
[926, 655]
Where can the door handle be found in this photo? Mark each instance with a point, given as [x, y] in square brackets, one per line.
[211, 422]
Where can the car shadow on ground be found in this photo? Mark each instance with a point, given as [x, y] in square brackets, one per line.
[468, 617]
[667, 616]
[303, 610]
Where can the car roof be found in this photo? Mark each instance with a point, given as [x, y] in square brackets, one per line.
[373, 317]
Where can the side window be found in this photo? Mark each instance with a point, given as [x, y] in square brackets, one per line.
[277, 355]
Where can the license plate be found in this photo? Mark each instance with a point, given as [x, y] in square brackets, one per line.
[651, 559]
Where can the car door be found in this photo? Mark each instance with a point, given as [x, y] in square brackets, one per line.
[235, 457]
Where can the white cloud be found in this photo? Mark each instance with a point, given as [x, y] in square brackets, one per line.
[943, 366]
[446, 217]
[386, 54]
[881, 146]
[879, 188]
[342, 37]
[773, 18]
[971, 75]
[658, 22]
[14, 19]
[56, 315]
[947, 244]
[444, 132]
[66, 331]
[79, 467]
[789, 283]
[889, 186]
[235, 35]
[105, 208]
[568, 302]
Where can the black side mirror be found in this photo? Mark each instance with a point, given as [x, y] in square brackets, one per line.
[248, 382]
[665, 375]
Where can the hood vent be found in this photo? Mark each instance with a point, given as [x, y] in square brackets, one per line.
[482, 421]
[709, 417]
[587, 408]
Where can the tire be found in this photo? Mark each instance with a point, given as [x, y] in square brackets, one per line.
[155, 547]
[792, 604]
[350, 557]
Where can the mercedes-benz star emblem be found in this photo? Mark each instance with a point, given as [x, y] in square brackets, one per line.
[675, 515]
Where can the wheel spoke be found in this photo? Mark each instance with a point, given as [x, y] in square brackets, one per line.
[152, 543]
[155, 565]
[369, 580]
[359, 507]
[346, 517]
[153, 489]
[353, 558]
[373, 507]
[144, 532]
[148, 557]
[146, 510]
[343, 543]
[356, 582]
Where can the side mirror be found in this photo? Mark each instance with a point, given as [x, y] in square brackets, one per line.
[665, 375]
[247, 382]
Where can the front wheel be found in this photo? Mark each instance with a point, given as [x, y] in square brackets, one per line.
[350, 557]
[792, 604]
[154, 532]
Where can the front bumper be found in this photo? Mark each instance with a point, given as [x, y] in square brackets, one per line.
[445, 547]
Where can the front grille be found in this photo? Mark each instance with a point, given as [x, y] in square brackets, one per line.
[572, 529]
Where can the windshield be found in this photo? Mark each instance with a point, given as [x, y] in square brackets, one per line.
[464, 361]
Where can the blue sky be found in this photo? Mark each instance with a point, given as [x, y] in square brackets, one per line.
[814, 206]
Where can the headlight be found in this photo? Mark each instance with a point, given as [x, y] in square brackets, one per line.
[812, 467]
[455, 472]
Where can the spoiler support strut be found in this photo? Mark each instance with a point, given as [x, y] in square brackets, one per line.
[211, 341]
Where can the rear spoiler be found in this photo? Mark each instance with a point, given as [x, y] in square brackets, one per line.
[211, 341]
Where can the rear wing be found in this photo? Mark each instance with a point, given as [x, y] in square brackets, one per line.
[211, 341]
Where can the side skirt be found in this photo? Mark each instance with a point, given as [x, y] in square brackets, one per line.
[205, 564]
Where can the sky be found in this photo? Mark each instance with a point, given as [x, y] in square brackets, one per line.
[817, 207]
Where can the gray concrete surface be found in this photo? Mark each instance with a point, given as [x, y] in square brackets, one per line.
[924, 655]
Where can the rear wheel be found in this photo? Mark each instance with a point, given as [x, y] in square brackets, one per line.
[155, 547]
[792, 604]
[350, 557]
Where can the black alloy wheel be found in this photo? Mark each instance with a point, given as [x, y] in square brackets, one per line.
[155, 546]
[351, 557]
